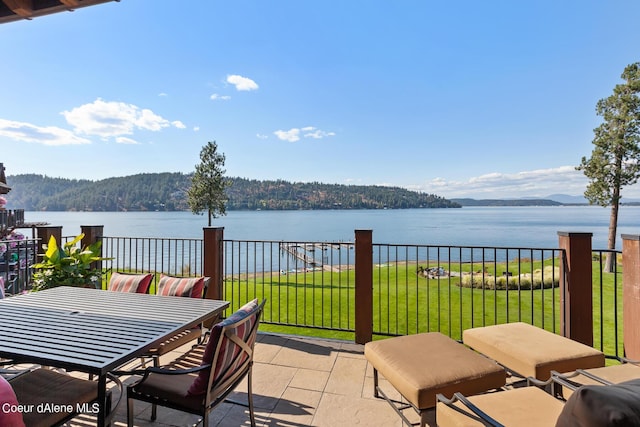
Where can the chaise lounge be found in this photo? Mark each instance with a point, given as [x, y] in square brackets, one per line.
[528, 351]
[588, 406]
[424, 365]
[421, 366]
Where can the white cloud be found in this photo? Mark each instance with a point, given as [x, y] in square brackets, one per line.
[125, 140]
[261, 136]
[294, 134]
[242, 83]
[196, 128]
[318, 134]
[48, 135]
[178, 124]
[162, 94]
[291, 135]
[217, 97]
[534, 183]
[111, 119]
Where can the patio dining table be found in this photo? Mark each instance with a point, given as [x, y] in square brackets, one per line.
[94, 331]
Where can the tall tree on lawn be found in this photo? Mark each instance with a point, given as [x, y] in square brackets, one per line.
[207, 191]
[615, 159]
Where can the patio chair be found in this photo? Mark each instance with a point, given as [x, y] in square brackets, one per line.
[191, 287]
[224, 361]
[63, 395]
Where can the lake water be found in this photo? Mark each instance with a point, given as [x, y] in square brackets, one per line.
[469, 226]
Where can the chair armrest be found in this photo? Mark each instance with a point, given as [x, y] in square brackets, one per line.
[163, 371]
[488, 420]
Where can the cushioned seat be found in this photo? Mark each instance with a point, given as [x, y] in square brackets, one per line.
[531, 351]
[423, 365]
[589, 406]
[47, 386]
[613, 374]
[527, 406]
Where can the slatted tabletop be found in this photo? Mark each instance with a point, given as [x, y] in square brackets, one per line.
[92, 330]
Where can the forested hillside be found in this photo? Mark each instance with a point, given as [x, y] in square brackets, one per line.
[167, 192]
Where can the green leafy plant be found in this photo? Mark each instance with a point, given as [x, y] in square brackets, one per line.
[68, 265]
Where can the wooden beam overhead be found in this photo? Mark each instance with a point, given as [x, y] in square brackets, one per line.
[15, 10]
[24, 8]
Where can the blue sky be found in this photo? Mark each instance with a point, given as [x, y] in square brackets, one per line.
[461, 98]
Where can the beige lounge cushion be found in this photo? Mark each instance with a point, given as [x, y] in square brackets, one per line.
[423, 365]
[614, 374]
[527, 406]
[531, 351]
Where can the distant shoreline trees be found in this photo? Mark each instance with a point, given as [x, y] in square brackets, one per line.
[168, 192]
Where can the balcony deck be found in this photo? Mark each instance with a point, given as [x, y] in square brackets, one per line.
[297, 381]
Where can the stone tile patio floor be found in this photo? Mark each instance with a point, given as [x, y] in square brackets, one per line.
[297, 381]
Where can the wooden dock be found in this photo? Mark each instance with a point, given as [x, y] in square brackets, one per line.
[301, 252]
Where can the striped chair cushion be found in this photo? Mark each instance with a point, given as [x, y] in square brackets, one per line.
[132, 283]
[228, 360]
[181, 286]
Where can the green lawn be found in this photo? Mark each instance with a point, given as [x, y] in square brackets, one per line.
[322, 304]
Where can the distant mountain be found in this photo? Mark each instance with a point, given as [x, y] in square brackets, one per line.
[552, 200]
[566, 199]
[506, 202]
[168, 192]
[581, 200]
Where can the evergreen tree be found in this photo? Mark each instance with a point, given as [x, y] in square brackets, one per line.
[208, 184]
[615, 160]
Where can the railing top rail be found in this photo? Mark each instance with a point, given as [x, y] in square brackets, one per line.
[194, 239]
[404, 245]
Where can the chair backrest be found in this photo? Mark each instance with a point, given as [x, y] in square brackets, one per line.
[229, 351]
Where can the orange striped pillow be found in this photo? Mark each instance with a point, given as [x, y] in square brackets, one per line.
[181, 286]
[133, 283]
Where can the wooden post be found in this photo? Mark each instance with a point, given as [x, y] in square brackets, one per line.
[213, 261]
[92, 234]
[631, 295]
[44, 233]
[364, 286]
[576, 289]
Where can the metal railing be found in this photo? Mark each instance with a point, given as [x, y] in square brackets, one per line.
[307, 284]
[419, 288]
[416, 288]
[17, 255]
[607, 304]
[10, 219]
[171, 256]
